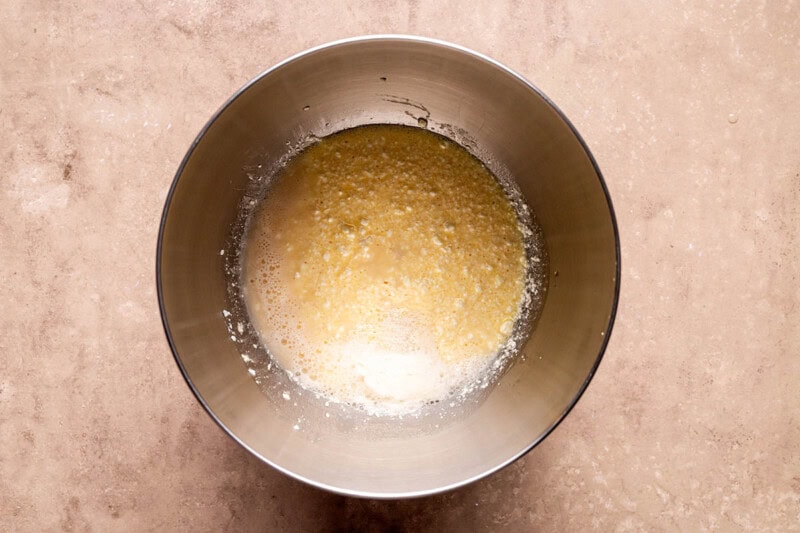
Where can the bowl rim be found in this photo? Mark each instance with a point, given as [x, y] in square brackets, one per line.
[418, 40]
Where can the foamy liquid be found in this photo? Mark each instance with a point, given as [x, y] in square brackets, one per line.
[385, 269]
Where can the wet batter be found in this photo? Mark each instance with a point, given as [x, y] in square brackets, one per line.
[385, 268]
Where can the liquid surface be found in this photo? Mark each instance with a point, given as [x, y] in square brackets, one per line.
[385, 268]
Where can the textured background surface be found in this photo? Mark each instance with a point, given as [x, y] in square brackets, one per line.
[691, 109]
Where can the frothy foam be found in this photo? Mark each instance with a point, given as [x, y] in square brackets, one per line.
[385, 269]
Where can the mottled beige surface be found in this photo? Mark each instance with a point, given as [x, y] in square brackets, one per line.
[693, 113]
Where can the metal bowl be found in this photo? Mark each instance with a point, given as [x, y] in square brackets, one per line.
[501, 118]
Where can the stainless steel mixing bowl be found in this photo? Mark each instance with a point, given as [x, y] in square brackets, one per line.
[504, 120]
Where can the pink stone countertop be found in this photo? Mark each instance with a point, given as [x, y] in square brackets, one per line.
[692, 110]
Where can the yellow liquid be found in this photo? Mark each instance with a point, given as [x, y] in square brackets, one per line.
[384, 268]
